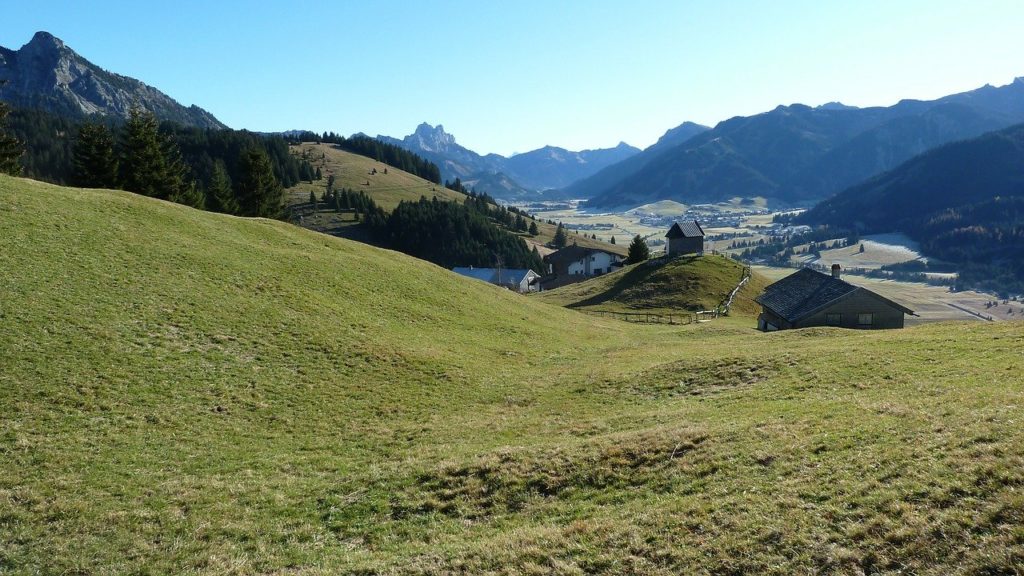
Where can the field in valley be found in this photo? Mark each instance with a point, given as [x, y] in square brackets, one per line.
[186, 392]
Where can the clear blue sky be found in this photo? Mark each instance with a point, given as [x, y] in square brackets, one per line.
[513, 76]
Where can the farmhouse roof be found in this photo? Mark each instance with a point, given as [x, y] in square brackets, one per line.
[574, 253]
[685, 229]
[508, 275]
[806, 291]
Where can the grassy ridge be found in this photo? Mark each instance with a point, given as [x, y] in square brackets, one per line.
[188, 392]
[353, 171]
[682, 283]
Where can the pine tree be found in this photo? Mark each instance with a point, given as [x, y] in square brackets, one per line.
[190, 194]
[220, 196]
[533, 229]
[151, 164]
[95, 164]
[10, 148]
[559, 240]
[638, 251]
[612, 240]
[257, 189]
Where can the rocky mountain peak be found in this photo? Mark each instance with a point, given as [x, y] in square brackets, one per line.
[45, 73]
[431, 138]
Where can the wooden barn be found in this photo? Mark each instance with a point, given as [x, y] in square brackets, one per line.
[684, 238]
[810, 298]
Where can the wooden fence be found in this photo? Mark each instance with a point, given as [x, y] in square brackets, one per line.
[646, 317]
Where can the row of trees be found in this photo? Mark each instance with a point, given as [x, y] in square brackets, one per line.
[10, 147]
[143, 159]
[452, 234]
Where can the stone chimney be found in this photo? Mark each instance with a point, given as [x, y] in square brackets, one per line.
[835, 270]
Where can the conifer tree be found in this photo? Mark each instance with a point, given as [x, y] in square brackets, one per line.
[560, 239]
[10, 148]
[638, 251]
[151, 162]
[220, 196]
[94, 160]
[612, 240]
[533, 229]
[257, 189]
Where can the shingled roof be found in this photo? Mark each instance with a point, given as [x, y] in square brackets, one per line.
[806, 291]
[686, 229]
[574, 253]
[508, 275]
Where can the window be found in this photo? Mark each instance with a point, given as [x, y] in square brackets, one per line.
[598, 271]
[865, 319]
[833, 319]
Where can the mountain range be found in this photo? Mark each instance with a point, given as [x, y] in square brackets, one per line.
[964, 203]
[46, 74]
[798, 154]
[519, 176]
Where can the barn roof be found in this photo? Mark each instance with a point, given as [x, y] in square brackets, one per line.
[685, 229]
[508, 275]
[574, 253]
[806, 291]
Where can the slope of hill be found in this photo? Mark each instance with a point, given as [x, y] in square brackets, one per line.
[47, 74]
[185, 392]
[795, 154]
[963, 202]
[690, 283]
[357, 172]
[519, 176]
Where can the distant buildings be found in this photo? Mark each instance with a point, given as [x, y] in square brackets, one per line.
[810, 298]
[685, 238]
[576, 263]
[521, 280]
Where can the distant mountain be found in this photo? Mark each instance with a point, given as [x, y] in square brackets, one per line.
[46, 74]
[520, 176]
[798, 154]
[963, 202]
[553, 167]
[593, 185]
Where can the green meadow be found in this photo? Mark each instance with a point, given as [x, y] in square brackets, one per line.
[187, 392]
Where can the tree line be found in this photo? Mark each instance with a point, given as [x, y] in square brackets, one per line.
[220, 170]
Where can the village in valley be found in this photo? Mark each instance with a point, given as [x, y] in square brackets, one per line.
[843, 285]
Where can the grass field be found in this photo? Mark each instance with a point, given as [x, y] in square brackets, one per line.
[184, 392]
[364, 174]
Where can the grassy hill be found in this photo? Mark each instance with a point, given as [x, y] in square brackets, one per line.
[353, 171]
[684, 283]
[184, 392]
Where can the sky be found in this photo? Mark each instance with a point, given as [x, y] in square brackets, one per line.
[508, 77]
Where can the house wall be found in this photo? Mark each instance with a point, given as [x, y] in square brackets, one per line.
[685, 245]
[595, 261]
[883, 315]
[768, 317]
